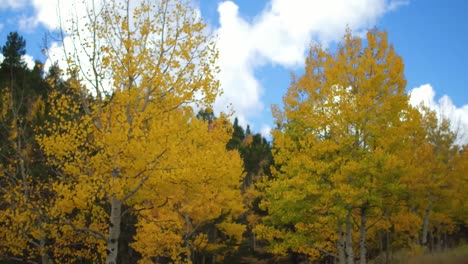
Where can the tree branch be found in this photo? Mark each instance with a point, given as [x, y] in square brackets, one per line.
[132, 192]
[92, 232]
[23, 260]
[324, 251]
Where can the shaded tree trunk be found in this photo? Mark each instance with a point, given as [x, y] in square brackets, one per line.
[388, 251]
[254, 242]
[341, 245]
[362, 235]
[426, 224]
[349, 239]
[45, 259]
[187, 235]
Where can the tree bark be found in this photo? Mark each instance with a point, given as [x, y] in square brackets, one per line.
[426, 224]
[362, 239]
[44, 256]
[114, 231]
[254, 242]
[187, 235]
[341, 245]
[388, 252]
[349, 239]
[445, 245]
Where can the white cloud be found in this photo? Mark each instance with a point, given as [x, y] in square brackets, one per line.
[266, 131]
[14, 4]
[55, 54]
[444, 107]
[29, 61]
[27, 24]
[280, 35]
[47, 12]
[397, 4]
[52, 13]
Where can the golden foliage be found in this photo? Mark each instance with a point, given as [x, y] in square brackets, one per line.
[337, 143]
[135, 144]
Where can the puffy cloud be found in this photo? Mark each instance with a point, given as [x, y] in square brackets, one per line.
[280, 35]
[27, 24]
[458, 116]
[14, 4]
[237, 80]
[52, 13]
[266, 131]
[29, 60]
[46, 12]
[397, 4]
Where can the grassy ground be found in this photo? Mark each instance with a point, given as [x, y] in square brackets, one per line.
[458, 255]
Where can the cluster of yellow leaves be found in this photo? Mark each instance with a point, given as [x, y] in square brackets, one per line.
[349, 146]
[202, 187]
[141, 144]
[337, 143]
[23, 203]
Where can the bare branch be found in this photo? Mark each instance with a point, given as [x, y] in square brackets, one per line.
[132, 192]
[324, 251]
[90, 231]
[23, 260]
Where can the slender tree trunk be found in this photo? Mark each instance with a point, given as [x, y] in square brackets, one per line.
[254, 242]
[362, 234]
[114, 231]
[341, 245]
[438, 240]
[388, 253]
[349, 239]
[187, 244]
[44, 256]
[431, 241]
[426, 224]
[215, 236]
[445, 245]
[381, 243]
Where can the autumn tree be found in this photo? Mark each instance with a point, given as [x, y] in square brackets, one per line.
[23, 198]
[431, 183]
[203, 201]
[336, 149]
[138, 148]
[458, 177]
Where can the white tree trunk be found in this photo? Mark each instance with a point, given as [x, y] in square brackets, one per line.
[362, 239]
[44, 256]
[187, 236]
[114, 231]
[426, 224]
[341, 245]
[349, 239]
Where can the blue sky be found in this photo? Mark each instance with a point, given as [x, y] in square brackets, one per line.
[261, 42]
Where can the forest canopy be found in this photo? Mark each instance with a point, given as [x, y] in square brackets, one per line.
[120, 158]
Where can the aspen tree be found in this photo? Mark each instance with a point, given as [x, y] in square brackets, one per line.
[336, 148]
[133, 149]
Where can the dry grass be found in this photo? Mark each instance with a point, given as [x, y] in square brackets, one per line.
[458, 255]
